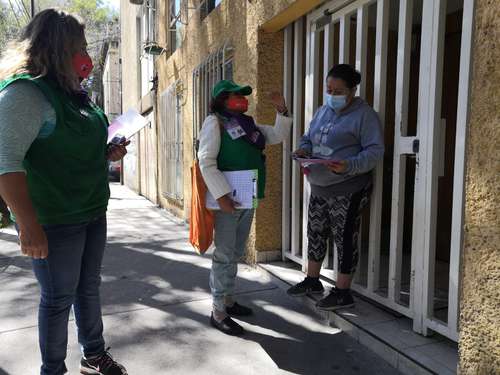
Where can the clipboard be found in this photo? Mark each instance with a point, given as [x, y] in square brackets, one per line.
[244, 190]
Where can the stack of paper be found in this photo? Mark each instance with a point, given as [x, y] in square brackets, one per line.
[244, 189]
[126, 125]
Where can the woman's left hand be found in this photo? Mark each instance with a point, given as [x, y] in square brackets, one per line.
[117, 152]
[278, 101]
[337, 166]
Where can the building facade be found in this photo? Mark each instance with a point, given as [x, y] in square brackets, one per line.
[111, 81]
[430, 240]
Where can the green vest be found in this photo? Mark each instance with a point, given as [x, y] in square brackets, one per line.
[67, 172]
[239, 155]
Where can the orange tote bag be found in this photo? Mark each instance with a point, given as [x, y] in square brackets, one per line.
[201, 224]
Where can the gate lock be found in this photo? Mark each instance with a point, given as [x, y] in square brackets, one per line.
[416, 146]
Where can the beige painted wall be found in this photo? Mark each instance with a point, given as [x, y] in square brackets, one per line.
[480, 305]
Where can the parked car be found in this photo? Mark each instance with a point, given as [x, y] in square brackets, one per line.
[114, 172]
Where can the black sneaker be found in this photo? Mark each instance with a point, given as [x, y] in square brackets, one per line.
[307, 286]
[101, 365]
[239, 310]
[227, 326]
[337, 299]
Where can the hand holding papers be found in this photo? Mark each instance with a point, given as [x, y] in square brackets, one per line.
[305, 162]
[244, 190]
[125, 127]
[313, 161]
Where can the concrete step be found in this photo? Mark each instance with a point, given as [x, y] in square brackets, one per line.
[384, 332]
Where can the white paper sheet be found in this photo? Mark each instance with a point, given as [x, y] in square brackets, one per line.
[126, 125]
[244, 185]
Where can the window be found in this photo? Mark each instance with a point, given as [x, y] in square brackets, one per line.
[171, 151]
[207, 6]
[175, 25]
[138, 27]
[148, 36]
[217, 66]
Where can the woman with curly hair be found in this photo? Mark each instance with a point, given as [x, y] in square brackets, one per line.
[53, 176]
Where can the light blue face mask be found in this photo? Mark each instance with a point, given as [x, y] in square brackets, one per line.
[336, 102]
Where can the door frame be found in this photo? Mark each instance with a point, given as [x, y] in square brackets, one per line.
[423, 146]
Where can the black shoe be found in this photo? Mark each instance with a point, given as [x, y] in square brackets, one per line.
[101, 365]
[227, 326]
[307, 286]
[239, 310]
[337, 299]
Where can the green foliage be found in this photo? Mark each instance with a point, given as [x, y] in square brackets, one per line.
[101, 25]
[13, 17]
[99, 19]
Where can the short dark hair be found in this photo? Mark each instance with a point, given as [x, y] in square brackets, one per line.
[346, 73]
[218, 104]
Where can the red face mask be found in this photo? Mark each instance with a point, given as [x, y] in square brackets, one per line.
[237, 104]
[82, 64]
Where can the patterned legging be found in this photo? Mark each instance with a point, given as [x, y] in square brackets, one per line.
[341, 216]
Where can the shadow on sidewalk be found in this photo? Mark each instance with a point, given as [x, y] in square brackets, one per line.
[8, 237]
[155, 277]
[148, 266]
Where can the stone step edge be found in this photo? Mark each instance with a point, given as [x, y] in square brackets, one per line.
[395, 357]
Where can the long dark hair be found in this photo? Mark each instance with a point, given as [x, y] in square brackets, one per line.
[218, 104]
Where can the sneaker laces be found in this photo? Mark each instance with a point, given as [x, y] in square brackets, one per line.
[106, 360]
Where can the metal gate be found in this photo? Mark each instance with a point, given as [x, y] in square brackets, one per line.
[171, 151]
[412, 235]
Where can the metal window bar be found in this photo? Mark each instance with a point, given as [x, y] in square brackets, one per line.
[361, 47]
[459, 173]
[171, 143]
[345, 37]
[311, 104]
[286, 211]
[435, 56]
[205, 76]
[399, 161]
[294, 84]
[379, 98]
[179, 154]
[329, 269]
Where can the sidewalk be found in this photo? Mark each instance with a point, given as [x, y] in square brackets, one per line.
[157, 303]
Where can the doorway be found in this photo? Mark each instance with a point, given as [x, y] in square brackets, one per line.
[414, 57]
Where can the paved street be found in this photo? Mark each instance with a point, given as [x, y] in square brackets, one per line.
[157, 303]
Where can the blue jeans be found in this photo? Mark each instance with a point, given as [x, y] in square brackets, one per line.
[70, 276]
[231, 235]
